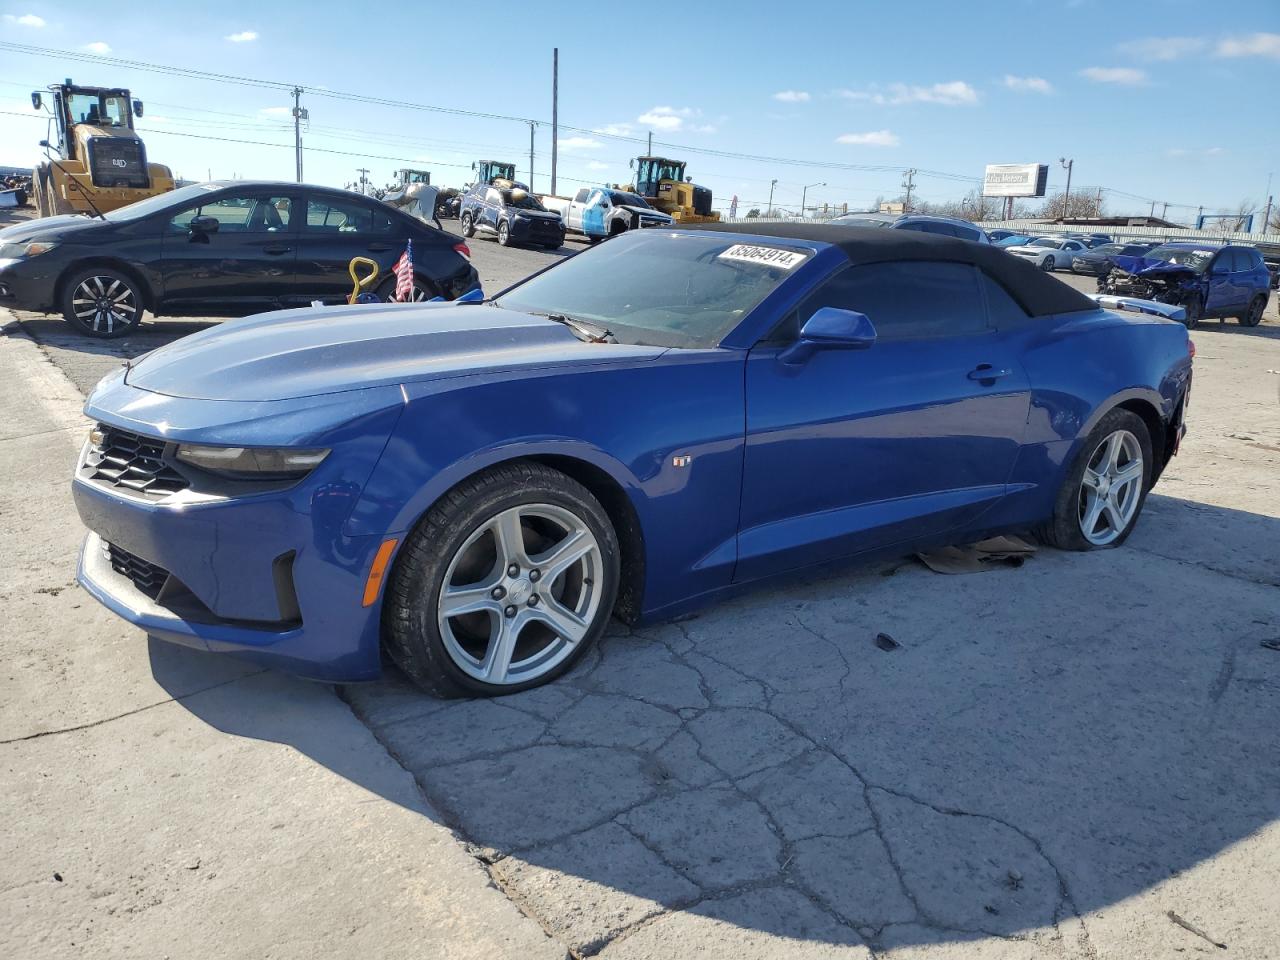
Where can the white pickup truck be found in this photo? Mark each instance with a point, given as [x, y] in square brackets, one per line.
[600, 212]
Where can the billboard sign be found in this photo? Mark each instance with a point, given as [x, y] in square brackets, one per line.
[1015, 180]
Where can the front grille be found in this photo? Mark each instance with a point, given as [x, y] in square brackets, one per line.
[118, 162]
[134, 462]
[147, 577]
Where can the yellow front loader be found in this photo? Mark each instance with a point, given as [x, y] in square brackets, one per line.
[662, 182]
[97, 163]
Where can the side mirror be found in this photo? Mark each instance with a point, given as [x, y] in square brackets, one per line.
[137, 108]
[44, 143]
[37, 100]
[830, 328]
[203, 226]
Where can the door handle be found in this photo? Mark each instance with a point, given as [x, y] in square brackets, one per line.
[985, 372]
[275, 249]
[379, 247]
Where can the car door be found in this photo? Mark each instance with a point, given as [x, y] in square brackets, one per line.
[855, 450]
[594, 213]
[336, 229]
[576, 208]
[1069, 250]
[1223, 294]
[248, 263]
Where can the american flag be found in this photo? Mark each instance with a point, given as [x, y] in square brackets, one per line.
[404, 275]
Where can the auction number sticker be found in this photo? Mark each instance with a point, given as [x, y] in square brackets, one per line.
[767, 256]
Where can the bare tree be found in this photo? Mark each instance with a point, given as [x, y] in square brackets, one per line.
[1084, 203]
[1240, 215]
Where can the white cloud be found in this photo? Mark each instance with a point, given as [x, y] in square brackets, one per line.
[26, 20]
[1028, 84]
[1161, 48]
[244, 36]
[579, 143]
[873, 138]
[1126, 76]
[1215, 151]
[276, 111]
[953, 93]
[597, 165]
[97, 47]
[1177, 151]
[614, 130]
[1253, 45]
[791, 96]
[665, 118]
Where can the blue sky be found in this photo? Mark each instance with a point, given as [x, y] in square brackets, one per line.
[1167, 99]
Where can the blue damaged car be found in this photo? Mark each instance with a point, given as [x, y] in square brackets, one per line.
[641, 429]
[1205, 281]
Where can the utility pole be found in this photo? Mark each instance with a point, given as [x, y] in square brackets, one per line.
[650, 152]
[364, 180]
[299, 114]
[1164, 211]
[772, 184]
[908, 185]
[532, 124]
[555, 113]
[804, 193]
[1153, 210]
[1066, 194]
[1266, 217]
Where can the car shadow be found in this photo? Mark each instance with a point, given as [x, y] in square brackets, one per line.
[879, 754]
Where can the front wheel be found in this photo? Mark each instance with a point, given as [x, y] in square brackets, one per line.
[1253, 316]
[1194, 308]
[1047, 264]
[468, 226]
[504, 234]
[1103, 493]
[102, 303]
[503, 585]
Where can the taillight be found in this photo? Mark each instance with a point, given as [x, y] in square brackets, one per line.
[463, 249]
[1191, 348]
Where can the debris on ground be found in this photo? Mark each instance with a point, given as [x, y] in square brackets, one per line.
[1192, 928]
[1270, 644]
[977, 557]
[886, 642]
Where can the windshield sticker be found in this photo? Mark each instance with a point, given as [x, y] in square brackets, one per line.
[767, 256]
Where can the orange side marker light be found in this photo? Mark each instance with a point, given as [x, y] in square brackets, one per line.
[377, 571]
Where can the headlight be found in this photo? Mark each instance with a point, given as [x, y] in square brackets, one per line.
[10, 251]
[258, 463]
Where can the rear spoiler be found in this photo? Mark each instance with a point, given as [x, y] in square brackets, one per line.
[1153, 307]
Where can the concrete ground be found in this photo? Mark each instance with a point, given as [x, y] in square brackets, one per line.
[1076, 758]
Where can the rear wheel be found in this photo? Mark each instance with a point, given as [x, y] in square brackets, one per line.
[422, 291]
[102, 303]
[504, 584]
[504, 234]
[1253, 316]
[1100, 498]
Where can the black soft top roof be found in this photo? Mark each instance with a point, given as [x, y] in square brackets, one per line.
[1038, 292]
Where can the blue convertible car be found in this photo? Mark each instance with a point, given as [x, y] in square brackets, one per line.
[638, 430]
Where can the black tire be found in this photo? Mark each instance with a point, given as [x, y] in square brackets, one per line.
[1063, 528]
[1195, 312]
[504, 233]
[1253, 316]
[555, 246]
[89, 289]
[1047, 265]
[423, 290]
[41, 186]
[468, 226]
[411, 633]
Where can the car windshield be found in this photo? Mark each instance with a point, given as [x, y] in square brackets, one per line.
[161, 202]
[521, 200]
[627, 200]
[1013, 240]
[852, 220]
[1183, 256]
[1045, 242]
[1108, 248]
[659, 288]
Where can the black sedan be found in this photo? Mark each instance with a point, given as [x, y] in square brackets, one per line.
[219, 249]
[1099, 261]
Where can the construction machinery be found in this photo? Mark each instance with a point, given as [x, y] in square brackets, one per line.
[662, 182]
[98, 162]
[488, 171]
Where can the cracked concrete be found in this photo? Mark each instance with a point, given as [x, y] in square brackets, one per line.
[1054, 759]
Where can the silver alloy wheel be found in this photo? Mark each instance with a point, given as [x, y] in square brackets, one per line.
[1047, 264]
[520, 594]
[107, 301]
[1111, 488]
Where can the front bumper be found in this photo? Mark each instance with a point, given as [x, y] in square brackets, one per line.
[240, 576]
[529, 230]
[28, 283]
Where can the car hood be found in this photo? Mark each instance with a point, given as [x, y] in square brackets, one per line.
[48, 228]
[322, 350]
[650, 212]
[1147, 267]
[1033, 250]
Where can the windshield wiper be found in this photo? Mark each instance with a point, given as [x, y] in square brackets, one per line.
[585, 329]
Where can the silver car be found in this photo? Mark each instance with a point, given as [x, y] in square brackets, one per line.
[1049, 253]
